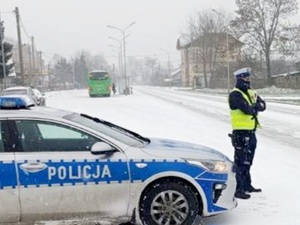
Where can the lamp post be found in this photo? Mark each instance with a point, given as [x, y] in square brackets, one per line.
[120, 58]
[73, 75]
[169, 66]
[227, 52]
[2, 54]
[127, 85]
[117, 78]
[228, 68]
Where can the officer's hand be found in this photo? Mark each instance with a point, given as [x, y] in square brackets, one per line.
[259, 106]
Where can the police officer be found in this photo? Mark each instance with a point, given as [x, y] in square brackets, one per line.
[244, 105]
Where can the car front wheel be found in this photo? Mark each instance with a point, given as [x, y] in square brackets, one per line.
[169, 203]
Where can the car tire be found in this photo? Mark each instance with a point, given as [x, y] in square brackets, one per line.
[170, 202]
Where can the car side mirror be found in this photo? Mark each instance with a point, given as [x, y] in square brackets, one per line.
[100, 148]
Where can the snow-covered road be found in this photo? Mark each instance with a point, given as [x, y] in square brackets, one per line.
[279, 121]
[204, 119]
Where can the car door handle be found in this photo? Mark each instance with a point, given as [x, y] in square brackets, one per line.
[33, 167]
[141, 165]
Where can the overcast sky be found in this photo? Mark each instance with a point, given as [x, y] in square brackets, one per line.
[68, 26]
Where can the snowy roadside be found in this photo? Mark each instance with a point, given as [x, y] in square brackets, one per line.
[205, 120]
[272, 94]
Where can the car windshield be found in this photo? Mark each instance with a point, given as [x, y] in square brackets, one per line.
[15, 92]
[98, 75]
[37, 92]
[112, 130]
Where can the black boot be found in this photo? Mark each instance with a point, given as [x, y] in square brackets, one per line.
[241, 195]
[253, 189]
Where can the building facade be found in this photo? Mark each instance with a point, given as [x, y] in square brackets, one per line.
[205, 61]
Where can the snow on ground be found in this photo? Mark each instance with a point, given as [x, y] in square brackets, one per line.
[203, 117]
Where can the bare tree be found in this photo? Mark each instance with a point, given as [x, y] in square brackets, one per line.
[202, 34]
[261, 22]
[134, 69]
[80, 71]
[94, 62]
[62, 72]
[151, 71]
[288, 42]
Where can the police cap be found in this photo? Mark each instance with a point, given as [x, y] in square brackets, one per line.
[244, 72]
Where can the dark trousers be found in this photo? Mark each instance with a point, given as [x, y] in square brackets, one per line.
[244, 143]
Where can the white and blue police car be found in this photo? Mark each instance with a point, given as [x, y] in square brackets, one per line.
[57, 164]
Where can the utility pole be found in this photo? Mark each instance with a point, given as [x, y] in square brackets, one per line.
[30, 61]
[3, 54]
[127, 80]
[228, 58]
[20, 45]
[73, 75]
[40, 64]
[33, 56]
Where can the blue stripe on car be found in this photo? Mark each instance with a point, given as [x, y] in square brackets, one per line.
[84, 172]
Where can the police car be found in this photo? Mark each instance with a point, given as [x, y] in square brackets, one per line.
[21, 90]
[57, 164]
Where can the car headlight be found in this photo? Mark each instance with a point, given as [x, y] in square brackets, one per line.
[212, 165]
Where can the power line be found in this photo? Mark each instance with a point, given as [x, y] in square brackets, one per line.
[24, 28]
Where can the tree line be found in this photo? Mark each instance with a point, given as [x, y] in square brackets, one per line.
[270, 45]
[269, 39]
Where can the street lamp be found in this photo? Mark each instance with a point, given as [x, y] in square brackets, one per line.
[127, 85]
[228, 68]
[120, 58]
[118, 50]
[2, 54]
[117, 78]
[227, 52]
[169, 66]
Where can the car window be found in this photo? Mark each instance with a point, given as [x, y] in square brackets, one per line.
[37, 92]
[1, 139]
[31, 94]
[50, 131]
[46, 136]
[11, 138]
[30, 91]
[15, 92]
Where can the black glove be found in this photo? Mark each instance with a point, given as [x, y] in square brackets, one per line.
[255, 110]
[259, 106]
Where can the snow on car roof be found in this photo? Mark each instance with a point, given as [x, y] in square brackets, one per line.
[40, 112]
[16, 88]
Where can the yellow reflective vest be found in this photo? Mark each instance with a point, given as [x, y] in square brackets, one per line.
[240, 120]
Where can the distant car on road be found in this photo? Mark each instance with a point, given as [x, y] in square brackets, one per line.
[20, 90]
[41, 100]
[58, 164]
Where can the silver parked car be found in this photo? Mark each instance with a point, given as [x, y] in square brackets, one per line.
[41, 100]
[20, 90]
[56, 164]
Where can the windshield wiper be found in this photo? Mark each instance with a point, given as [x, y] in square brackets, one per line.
[134, 134]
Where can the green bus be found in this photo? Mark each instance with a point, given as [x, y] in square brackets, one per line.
[99, 83]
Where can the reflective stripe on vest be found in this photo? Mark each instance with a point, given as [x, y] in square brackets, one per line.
[240, 120]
